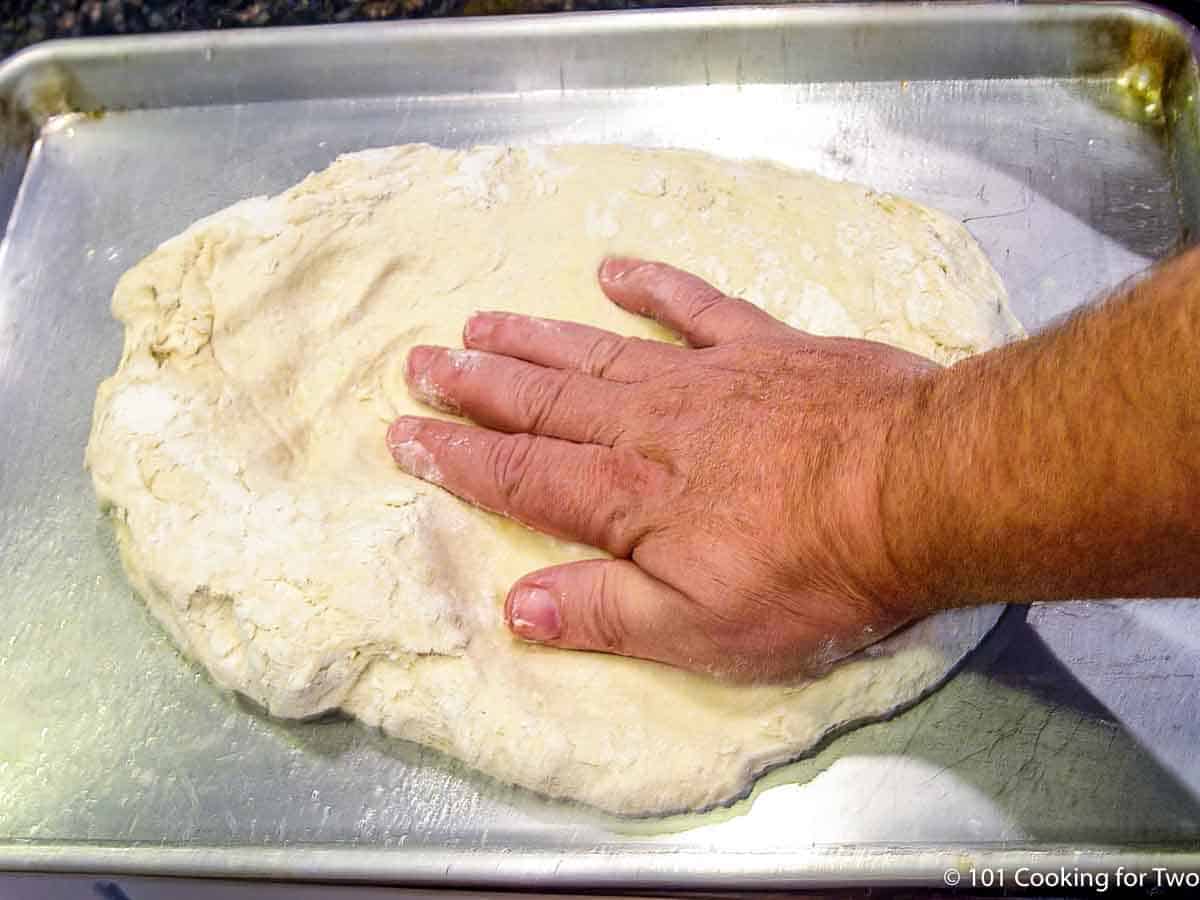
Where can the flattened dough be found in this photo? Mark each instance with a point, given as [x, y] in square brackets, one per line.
[239, 447]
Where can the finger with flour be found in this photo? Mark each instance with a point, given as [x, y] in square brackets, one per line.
[516, 396]
[569, 345]
[580, 492]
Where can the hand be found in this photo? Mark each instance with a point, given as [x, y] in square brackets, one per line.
[736, 482]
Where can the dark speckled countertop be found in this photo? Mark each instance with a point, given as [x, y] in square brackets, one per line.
[24, 22]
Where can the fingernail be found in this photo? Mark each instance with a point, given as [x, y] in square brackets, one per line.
[410, 455]
[419, 376]
[403, 430]
[479, 327]
[533, 614]
[617, 267]
[420, 358]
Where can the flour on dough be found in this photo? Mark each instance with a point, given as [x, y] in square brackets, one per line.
[240, 450]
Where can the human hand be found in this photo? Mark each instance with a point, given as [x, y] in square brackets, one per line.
[736, 482]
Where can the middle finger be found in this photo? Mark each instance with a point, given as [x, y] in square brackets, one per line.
[510, 395]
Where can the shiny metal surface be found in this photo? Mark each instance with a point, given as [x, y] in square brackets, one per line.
[1071, 734]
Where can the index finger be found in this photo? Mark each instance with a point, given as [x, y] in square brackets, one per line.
[683, 302]
[579, 492]
[570, 345]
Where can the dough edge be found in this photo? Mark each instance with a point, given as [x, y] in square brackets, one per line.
[921, 656]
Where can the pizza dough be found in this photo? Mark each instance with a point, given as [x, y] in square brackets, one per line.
[240, 450]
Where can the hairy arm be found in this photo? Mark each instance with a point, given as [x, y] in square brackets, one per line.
[1067, 465]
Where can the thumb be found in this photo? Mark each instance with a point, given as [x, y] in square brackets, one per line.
[611, 606]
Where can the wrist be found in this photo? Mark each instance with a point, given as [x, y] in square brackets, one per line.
[912, 500]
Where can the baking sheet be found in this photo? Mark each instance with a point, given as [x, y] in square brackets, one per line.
[1063, 136]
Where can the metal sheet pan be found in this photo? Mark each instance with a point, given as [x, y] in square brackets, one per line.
[1065, 136]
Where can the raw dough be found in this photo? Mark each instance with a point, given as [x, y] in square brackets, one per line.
[240, 447]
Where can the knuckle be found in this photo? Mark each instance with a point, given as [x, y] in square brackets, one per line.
[602, 354]
[607, 625]
[699, 301]
[536, 393]
[618, 522]
[664, 409]
[509, 461]
[612, 526]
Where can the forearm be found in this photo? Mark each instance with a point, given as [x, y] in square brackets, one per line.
[1067, 465]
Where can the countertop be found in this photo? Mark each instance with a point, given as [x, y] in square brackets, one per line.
[25, 22]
